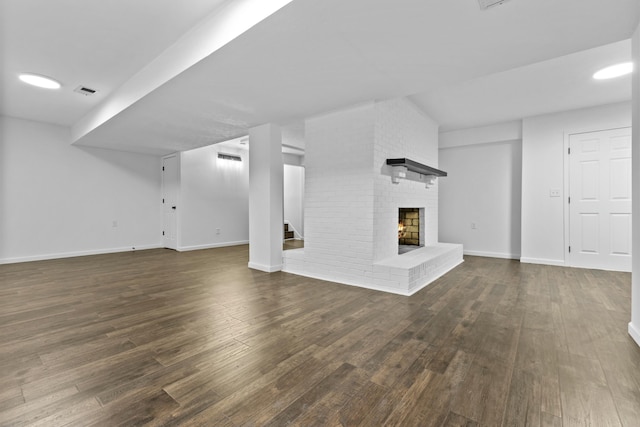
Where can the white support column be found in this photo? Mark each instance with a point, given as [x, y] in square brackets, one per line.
[266, 221]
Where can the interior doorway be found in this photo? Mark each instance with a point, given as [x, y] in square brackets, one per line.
[600, 200]
[170, 168]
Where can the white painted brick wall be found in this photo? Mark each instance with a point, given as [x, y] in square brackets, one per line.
[351, 205]
[402, 130]
[339, 193]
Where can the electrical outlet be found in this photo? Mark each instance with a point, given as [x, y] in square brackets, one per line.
[554, 192]
[473, 225]
[217, 231]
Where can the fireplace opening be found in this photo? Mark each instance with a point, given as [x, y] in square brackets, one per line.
[410, 229]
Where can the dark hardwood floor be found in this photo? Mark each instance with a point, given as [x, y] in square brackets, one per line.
[165, 338]
[292, 244]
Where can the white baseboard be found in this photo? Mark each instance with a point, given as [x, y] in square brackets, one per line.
[265, 268]
[556, 262]
[211, 246]
[634, 332]
[491, 254]
[44, 257]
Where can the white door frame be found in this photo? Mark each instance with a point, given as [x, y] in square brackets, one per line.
[566, 178]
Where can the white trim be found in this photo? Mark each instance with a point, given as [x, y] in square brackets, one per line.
[211, 246]
[491, 254]
[634, 332]
[74, 254]
[557, 262]
[265, 268]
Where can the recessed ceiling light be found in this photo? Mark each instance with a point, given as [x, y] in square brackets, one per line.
[39, 81]
[614, 71]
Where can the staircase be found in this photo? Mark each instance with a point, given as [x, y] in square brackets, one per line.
[287, 234]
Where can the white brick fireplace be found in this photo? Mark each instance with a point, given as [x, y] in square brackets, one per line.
[351, 203]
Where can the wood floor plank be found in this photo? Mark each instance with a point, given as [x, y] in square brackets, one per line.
[164, 338]
[455, 420]
[585, 396]
[550, 396]
[42, 407]
[430, 405]
[10, 398]
[263, 405]
[141, 411]
[524, 403]
[415, 378]
[298, 407]
[484, 391]
[358, 407]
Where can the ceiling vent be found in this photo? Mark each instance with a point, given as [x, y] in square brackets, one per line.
[486, 4]
[85, 90]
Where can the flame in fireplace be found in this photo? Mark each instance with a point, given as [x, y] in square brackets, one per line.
[401, 230]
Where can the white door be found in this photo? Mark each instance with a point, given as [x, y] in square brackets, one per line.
[600, 200]
[169, 201]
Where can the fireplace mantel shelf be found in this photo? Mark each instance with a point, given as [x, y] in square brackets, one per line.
[402, 166]
[414, 166]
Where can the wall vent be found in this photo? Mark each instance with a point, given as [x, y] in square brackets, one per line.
[225, 156]
[486, 4]
[85, 90]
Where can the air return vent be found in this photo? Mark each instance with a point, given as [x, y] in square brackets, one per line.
[225, 156]
[85, 90]
[485, 4]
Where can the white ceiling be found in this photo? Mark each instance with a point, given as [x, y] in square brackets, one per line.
[466, 67]
[99, 44]
[558, 84]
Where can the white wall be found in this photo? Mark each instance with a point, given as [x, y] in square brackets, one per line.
[214, 194]
[294, 198]
[483, 187]
[634, 325]
[60, 200]
[543, 168]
